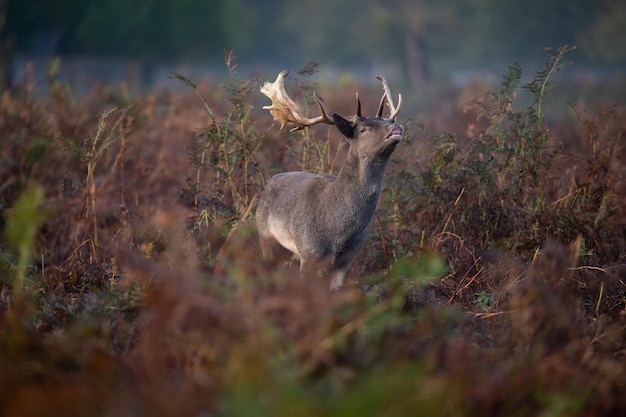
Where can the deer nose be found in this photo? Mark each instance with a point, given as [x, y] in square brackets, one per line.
[396, 132]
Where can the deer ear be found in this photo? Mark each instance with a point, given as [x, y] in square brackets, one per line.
[344, 126]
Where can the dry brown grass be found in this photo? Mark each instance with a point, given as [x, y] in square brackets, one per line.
[477, 293]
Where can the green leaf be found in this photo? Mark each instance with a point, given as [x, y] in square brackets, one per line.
[33, 155]
[419, 271]
[21, 229]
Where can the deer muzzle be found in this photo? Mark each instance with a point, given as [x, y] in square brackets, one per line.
[395, 134]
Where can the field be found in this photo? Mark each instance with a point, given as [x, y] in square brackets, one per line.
[492, 283]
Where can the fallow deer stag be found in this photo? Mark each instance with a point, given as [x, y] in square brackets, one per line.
[322, 218]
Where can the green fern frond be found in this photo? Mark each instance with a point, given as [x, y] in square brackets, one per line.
[542, 84]
[306, 81]
[194, 86]
[183, 79]
[510, 81]
[195, 146]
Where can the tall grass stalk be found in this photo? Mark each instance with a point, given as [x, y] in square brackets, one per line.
[104, 137]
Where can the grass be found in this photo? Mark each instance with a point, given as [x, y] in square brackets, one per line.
[131, 283]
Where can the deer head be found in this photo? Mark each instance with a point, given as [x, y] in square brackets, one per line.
[322, 218]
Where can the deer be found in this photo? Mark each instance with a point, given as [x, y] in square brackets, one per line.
[321, 218]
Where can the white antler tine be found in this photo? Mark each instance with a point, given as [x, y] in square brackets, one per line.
[393, 110]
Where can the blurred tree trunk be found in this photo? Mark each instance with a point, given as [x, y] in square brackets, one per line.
[604, 37]
[416, 60]
[5, 48]
[421, 20]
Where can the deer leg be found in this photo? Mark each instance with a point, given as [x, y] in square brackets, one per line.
[337, 277]
[308, 267]
[341, 267]
[271, 250]
[266, 248]
[274, 253]
[312, 267]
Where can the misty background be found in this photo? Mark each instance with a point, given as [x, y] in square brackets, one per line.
[416, 42]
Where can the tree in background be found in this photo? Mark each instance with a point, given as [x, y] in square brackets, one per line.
[158, 29]
[421, 37]
[414, 24]
[5, 72]
[144, 29]
[497, 31]
[151, 29]
[36, 25]
[604, 39]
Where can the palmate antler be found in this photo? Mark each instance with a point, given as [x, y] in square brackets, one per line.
[284, 110]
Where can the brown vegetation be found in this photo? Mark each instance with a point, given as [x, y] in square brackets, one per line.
[492, 283]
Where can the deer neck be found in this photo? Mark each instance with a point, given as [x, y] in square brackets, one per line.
[360, 180]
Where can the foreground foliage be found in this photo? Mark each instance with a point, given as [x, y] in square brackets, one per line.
[492, 282]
